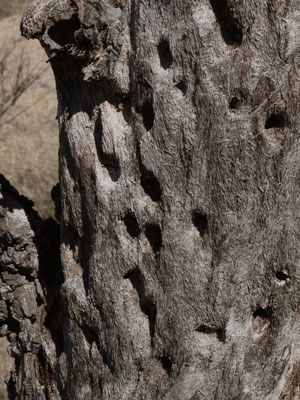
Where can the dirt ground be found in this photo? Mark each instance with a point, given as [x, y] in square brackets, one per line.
[28, 132]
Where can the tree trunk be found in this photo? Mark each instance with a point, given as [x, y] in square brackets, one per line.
[180, 193]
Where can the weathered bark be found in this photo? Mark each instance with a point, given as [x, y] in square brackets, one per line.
[179, 183]
[29, 282]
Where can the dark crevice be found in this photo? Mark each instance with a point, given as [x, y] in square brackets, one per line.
[263, 313]
[132, 225]
[151, 185]
[45, 373]
[63, 31]
[54, 323]
[182, 86]
[200, 221]
[282, 276]
[146, 304]
[230, 27]
[92, 337]
[149, 182]
[109, 161]
[276, 121]
[208, 330]
[148, 115]
[153, 234]
[166, 363]
[112, 164]
[165, 55]
[234, 103]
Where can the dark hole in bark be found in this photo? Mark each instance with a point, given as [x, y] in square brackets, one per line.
[151, 185]
[234, 103]
[153, 234]
[148, 115]
[166, 363]
[112, 164]
[208, 330]
[182, 86]
[165, 55]
[92, 337]
[149, 182]
[200, 221]
[230, 27]
[276, 121]
[281, 276]
[63, 31]
[132, 225]
[147, 306]
[263, 313]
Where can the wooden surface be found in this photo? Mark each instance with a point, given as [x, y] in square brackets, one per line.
[179, 173]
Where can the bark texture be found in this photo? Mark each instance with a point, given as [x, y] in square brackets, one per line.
[179, 182]
[29, 277]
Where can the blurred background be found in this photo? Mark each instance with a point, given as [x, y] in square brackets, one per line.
[28, 128]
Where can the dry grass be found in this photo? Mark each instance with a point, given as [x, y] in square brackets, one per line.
[28, 131]
[12, 7]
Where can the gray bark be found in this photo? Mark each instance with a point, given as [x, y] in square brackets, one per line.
[179, 182]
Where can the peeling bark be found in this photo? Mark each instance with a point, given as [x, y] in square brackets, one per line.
[179, 184]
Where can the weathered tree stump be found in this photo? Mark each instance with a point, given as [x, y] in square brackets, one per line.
[180, 192]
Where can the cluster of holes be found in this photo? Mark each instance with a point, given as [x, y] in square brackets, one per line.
[63, 31]
[230, 27]
[165, 55]
[147, 306]
[200, 221]
[152, 231]
[153, 234]
[208, 330]
[132, 225]
[277, 120]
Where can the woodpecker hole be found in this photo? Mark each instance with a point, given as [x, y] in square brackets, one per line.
[153, 234]
[63, 31]
[165, 55]
[148, 115]
[200, 221]
[276, 121]
[132, 225]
